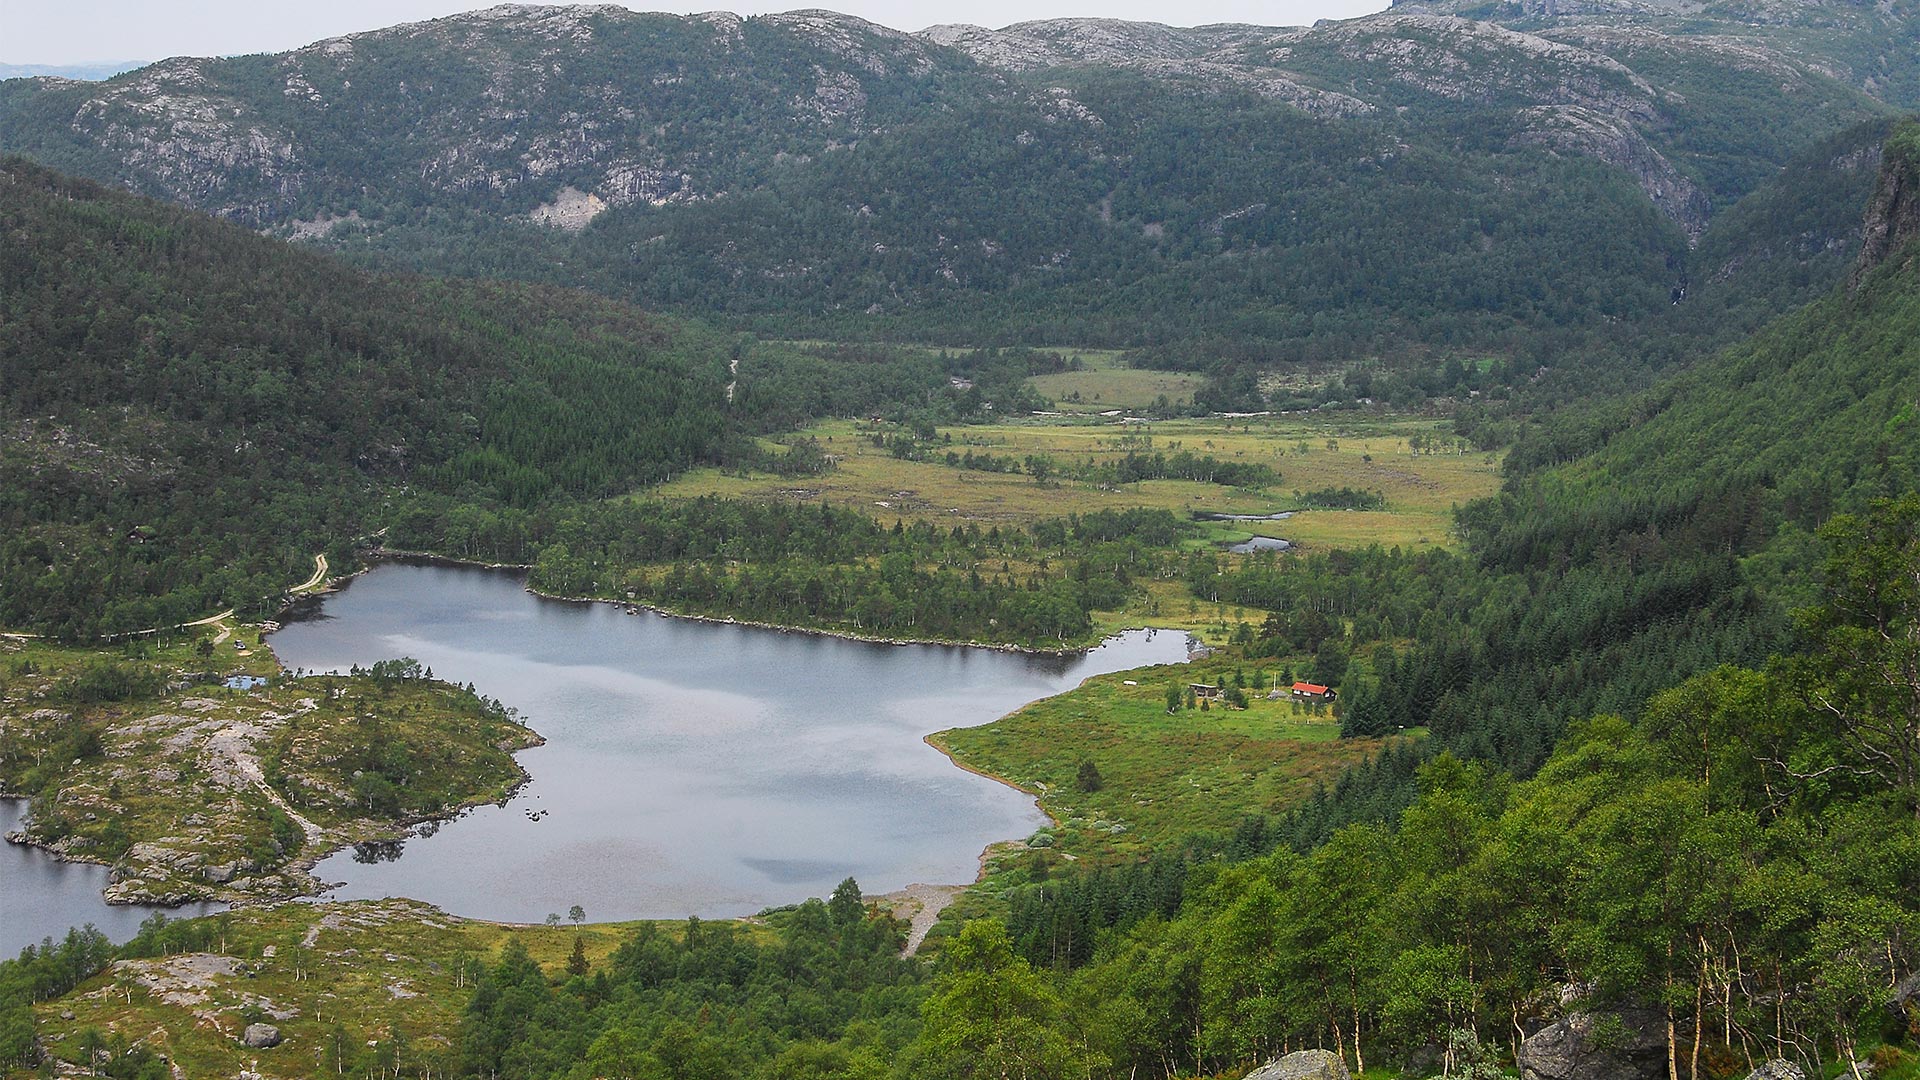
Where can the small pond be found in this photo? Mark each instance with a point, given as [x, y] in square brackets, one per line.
[1208, 515]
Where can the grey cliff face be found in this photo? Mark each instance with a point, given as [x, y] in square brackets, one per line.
[1893, 218]
[1577, 130]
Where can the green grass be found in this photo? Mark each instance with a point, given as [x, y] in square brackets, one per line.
[1102, 387]
[1164, 776]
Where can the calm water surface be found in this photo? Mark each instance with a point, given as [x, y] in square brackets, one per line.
[41, 897]
[690, 768]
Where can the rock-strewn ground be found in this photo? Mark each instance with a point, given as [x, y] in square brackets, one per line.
[383, 973]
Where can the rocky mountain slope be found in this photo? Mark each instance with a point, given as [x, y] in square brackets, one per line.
[817, 165]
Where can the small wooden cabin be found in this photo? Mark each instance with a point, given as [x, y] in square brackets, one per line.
[1306, 691]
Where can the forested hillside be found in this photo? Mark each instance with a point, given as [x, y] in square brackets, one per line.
[191, 412]
[1641, 541]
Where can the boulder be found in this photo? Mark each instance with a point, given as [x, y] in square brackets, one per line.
[1777, 1069]
[1304, 1065]
[1906, 992]
[1423, 1060]
[1630, 1045]
[261, 1036]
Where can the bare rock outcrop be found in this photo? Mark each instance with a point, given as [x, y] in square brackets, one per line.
[261, 1036]
[1574, 129]
[1893, 215]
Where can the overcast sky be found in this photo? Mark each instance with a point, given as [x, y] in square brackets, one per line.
[81, 31]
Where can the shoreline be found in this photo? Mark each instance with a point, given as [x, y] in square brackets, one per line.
[430, 558]
[1036, 796]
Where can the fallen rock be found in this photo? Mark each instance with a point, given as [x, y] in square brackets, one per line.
[261, 1036]
[1304, 1065]
[1567, 1049]
[1777, 1069]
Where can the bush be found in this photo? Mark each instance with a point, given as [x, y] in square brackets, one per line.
[1088, 778]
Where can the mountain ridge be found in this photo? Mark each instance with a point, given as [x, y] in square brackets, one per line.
[1018, 181]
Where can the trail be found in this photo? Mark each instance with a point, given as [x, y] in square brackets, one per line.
[239, 753]
[314, 582]
[319, 575]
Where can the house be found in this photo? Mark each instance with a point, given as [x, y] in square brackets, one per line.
[1306, 691]
[245, 682]
[1205, 692]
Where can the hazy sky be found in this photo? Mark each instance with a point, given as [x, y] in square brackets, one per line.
[79, 31]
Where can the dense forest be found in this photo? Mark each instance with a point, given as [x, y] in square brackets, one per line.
[191, 412]
[822, 567]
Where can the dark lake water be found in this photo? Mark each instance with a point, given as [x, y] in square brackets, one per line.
[41, 897]
[690, 767]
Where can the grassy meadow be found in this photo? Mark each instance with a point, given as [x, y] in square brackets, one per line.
[1309, 453]
[1163, 776]
[1104, 383]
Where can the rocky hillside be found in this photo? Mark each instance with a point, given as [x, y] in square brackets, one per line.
[502, 109]
[1526, 164]
[1893, 215]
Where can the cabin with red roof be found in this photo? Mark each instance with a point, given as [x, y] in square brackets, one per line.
[1307, 691]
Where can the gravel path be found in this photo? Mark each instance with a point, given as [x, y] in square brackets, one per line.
[922, 904]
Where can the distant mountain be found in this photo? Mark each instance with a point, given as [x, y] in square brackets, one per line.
[83, 72]
[1418, 178]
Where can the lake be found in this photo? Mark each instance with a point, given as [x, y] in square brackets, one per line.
[691, 768]
[41, 897]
